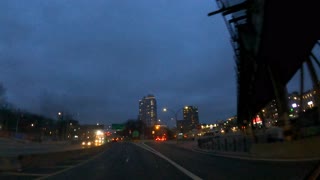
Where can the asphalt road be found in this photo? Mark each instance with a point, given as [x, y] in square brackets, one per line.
[213, 167]
[137, 161]
[124, 161]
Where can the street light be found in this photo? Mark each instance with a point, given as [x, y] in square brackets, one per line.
[175, 113]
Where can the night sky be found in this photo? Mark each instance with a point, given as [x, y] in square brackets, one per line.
[97, 58]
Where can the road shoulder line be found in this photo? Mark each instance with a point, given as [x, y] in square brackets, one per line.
[71, 167]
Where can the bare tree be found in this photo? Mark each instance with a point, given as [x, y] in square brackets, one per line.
[3, 99]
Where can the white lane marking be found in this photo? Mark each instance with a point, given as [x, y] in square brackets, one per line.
[185, 171]
[67, 169]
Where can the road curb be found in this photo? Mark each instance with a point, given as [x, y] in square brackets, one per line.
[253, 158]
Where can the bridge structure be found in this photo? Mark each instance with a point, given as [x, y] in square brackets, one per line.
[272, 41]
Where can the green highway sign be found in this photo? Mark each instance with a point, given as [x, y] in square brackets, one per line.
[135, 134]
[118, 127]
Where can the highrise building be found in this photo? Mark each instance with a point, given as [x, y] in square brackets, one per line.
[148, 110]
[190, 115]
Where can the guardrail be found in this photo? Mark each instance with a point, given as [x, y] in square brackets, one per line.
[226, 144]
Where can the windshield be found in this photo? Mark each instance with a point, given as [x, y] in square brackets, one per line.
[184, 89]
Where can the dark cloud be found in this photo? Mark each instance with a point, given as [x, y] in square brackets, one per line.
[98, 58]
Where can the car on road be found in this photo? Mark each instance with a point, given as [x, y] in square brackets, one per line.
[87, 143]
[158, 138]
[116, 139]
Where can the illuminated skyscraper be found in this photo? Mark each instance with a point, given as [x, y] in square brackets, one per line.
[190, 115]
[148, 110]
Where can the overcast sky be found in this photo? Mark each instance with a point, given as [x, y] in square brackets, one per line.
[97, 58]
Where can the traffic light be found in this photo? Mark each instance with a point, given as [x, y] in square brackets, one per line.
[291, 110]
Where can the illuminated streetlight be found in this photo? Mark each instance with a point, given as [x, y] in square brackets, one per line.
[175, 113]
[59, 113]
[32, 124]
[99, 133]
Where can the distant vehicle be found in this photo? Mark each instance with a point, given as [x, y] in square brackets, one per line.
[116, 139]
[163, 138]
[214, 134]
[275, 134]
[87, 143]
[209, 134]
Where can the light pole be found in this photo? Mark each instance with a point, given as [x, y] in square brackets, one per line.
[175, 113]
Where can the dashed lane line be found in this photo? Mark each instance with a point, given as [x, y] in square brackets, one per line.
[182, 169]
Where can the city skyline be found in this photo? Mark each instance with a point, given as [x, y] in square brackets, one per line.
[91, 60]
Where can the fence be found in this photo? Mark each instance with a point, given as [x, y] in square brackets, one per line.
[232, 143]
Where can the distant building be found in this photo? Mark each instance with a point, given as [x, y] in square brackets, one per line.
[183, 126]
[270, 112]
[190, 115]
[294, 104]
[308, 99]
[88, 131]
[148, 110]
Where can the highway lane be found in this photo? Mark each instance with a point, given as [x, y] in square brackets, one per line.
[124, 161]
[131, 161]
[213, 167]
